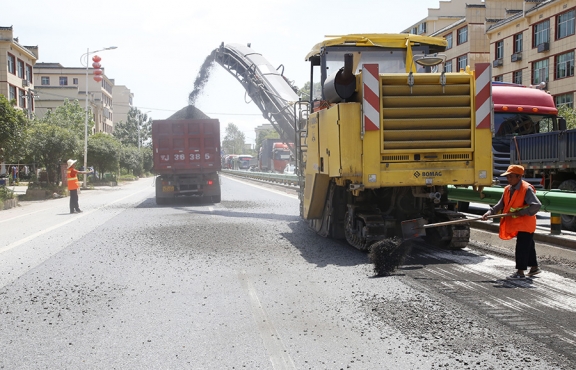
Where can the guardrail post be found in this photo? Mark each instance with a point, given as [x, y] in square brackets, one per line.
[555, 224]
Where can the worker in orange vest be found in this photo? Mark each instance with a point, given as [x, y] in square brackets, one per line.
[73, 185]
[519, 197]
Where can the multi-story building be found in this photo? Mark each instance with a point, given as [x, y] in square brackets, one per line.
[56, 83]
[123, 98]
[536, 47]
[16, 70]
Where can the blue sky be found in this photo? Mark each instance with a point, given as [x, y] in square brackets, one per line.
[162, 44]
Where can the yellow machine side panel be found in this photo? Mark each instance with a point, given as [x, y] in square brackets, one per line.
[315, 195]
[371, 174]
[351, 141]
[316, 183]
[483, 157]
[330, 141]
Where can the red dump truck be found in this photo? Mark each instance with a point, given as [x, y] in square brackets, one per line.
[186, 159]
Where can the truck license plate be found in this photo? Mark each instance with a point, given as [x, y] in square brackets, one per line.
[168, 189]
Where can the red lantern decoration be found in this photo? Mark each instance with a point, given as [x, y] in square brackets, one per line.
[97, 78]
[97, 72]
[96, 58]
[96, 65]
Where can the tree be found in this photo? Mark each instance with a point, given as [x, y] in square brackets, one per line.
[233, 140]
[70, 116]
[147, 158]
[52, 145]
[131, 159]
[13, 124]
[104, 152]
[569, 114]
[127, 132]
[266, 134]
[304, 91]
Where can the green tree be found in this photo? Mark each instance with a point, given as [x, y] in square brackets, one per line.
[52, 145]
[127, 132]
[569, 114]
[266, 134]
[147, 158]
[131, 159]
[104, 152]
[233, 140]
[304, 91]
[13, 125]
[70, 116]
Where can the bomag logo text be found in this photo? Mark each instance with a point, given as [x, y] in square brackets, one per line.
[428, 174]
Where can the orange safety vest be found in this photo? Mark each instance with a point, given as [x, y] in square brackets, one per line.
[72, 177]
[510, 226]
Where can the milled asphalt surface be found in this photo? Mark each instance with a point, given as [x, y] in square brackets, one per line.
[246, 284]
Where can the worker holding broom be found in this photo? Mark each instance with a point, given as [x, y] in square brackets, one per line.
[520, 199]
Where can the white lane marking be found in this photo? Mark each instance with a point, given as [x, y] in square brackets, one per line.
[261, 187]
[75, 218]
[25, 214]
[272, 341]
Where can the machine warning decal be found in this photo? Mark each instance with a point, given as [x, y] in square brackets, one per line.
[417, 174]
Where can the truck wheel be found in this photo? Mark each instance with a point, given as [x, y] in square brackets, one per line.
[568, 222]
[216, 198]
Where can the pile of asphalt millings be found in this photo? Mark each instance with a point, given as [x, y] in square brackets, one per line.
[189, 112]
[388, 254]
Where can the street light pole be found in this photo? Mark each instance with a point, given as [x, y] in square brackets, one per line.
[88, 52]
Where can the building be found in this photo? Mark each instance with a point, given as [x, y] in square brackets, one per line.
[123, 102]
[529, 42]
[55, 83]
[16, 70]
[536, 47]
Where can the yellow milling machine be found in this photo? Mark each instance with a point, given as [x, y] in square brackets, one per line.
[388, 130]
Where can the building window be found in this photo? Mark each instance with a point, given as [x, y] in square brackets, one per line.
[448, 66]
[462, 35]
[565, 99]
[499, 78]
[565, 65]
[415, 30]
[422, 28]
[449, 41]
[541, 33]
[29, 73]
[20, 68]
[22, 98]
[45, 80]
[63, 81]
[11, 64]
[517, 77]
[499, 50]
[540, 71]
[518, 42]
[565, 24]
[75, 81]
[462, 62]
[12, 92]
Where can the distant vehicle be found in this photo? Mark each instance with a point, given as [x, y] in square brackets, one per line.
[244, 161]
[290, 169]
[187, 159]
[273, 156]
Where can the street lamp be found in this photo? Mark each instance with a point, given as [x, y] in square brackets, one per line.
[87, 54]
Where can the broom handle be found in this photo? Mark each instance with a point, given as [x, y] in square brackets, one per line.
[463, 221]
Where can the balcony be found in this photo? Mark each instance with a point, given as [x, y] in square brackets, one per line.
[516, 57]
[497, 63]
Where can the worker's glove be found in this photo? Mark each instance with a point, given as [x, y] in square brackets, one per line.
[518, 211]
[485, 215]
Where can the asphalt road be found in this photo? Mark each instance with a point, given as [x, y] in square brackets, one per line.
[245, 284]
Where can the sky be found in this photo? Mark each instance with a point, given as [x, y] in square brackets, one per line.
[162, 44]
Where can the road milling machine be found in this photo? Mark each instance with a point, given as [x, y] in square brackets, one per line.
[385, 130]
[388, 132]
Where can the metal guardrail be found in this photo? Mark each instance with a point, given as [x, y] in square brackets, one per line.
[278, 178]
